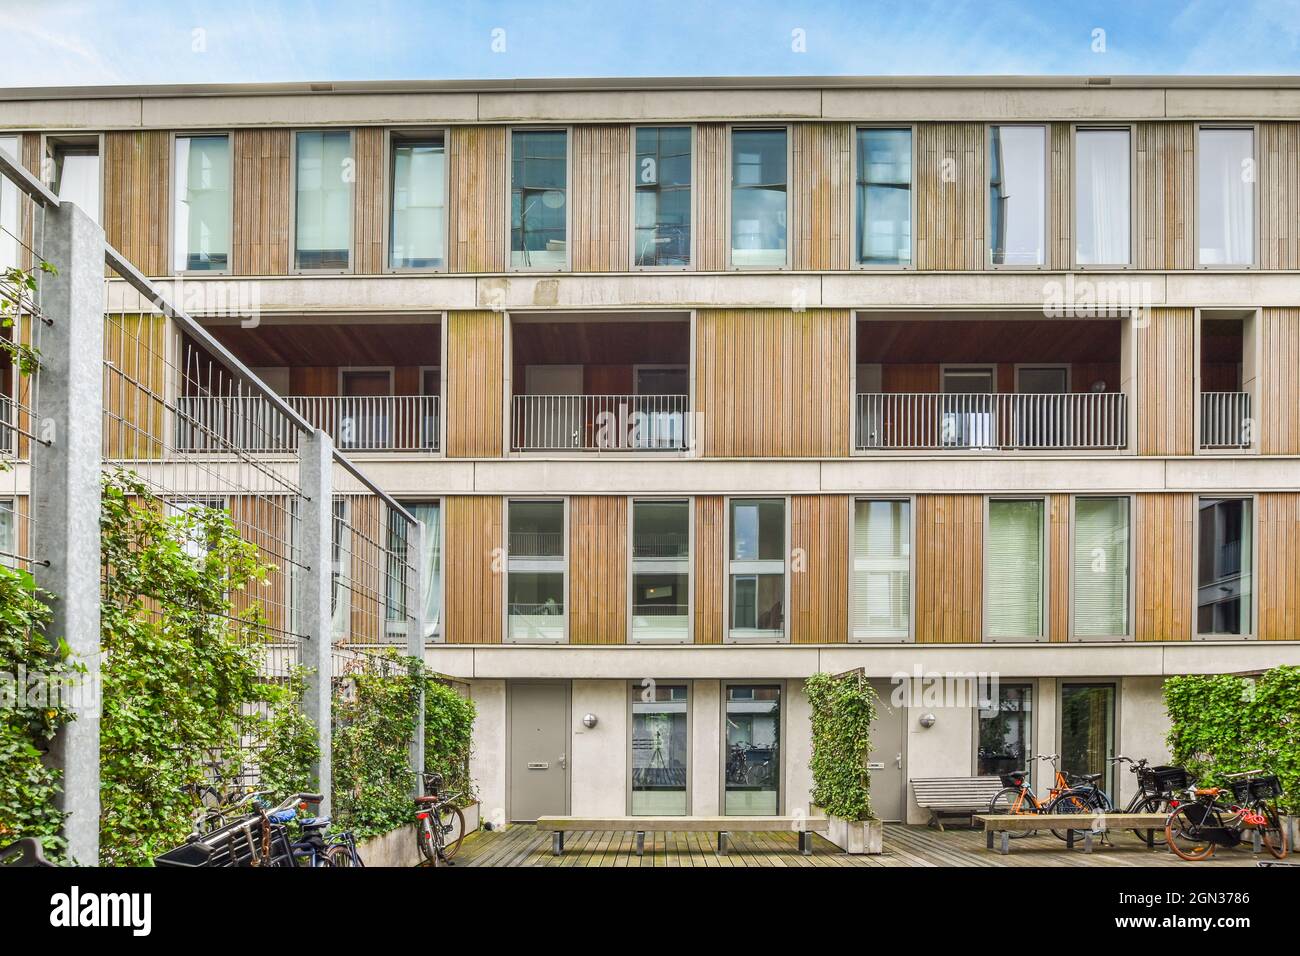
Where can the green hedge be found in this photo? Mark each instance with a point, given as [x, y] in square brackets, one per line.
[448, 729]
[843, 708]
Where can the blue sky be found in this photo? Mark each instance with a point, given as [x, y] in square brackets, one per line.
[75, 42]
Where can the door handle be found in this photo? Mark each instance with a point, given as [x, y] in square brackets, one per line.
[564, 764]
[898, 760]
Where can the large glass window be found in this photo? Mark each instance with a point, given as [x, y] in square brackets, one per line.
[201, 226]
[539, 176]
[8, 535]
[417, 221]
[1225, 214]
[757, 567]
[341, 569]
[429, 561]
[1223, 566]
[758, 197]
[323, 190]
[1014, 569]
[10, 213]
[752, 770]
[661, 570]
[884, 180]
[76, 174]
[661, 747]
[882, 570]
[1006, 731]
[1088, 731]
[1017, 195]
[663, 196]
[1099, 577]
[535, 588]
[1102, 217]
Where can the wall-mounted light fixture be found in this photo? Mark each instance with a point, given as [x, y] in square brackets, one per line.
[589, 720]
[927, 720]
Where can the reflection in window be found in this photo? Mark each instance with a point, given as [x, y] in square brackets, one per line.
[201, 231]
[663, 196]
[1225, 216]
[535, 586]
[882, 570]
[76, 175]
[1223, 575]
[10, 213]
[757, 567]
[1088, 731]
[538, 199]
[8, 534]
[1017, 195]
[884, 197]
[660, 749]
[1099, 576]
[1102, 218]
[418, 215]
[323, 186]
[660, 570]
[758, 197]
[752, 772]
[1006, 731]
[1014, 563]
[429, 561]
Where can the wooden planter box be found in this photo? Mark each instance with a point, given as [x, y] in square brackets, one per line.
[856, 837]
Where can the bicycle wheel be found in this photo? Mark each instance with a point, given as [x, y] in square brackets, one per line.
[1152, 804]
[339, 856]
[1185, 831]
[1009, 801]
[430, 843]
[1087, 802]
[1274, 833]
[452, 821]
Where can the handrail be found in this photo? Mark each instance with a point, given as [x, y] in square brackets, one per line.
[24, 180]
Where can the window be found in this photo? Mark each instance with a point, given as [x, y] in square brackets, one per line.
[8, 534]
[1102, 197]
[758, 197]
[1088, 731]
[201, 226]
[10, 212]
[1017, 195]
[341, 570]
[1100, 592]
[535, 586]
[1006, 731]
[429, 562]
[661, 748]
[884, 180]
[75, 165]
[323, 200]
[417, 220]
[1224, 552]
[661, 570]
[539, 175]
[882, 570]
[1014, 567]
[752, 760]
[663, 196]
[1225, 214]
[757, 543]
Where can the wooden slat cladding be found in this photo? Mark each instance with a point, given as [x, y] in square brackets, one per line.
[262, 520]
[30, 149]
[1278, 417]
[136, 185]
[710, 182]
[477, 218]
[598, 570]
[950, 229]
[773, 382]
[474, 383]
[473, 559]
[1279, 190]
[1163, 526]
[366, 585]
[1058, 567]
[135, 381]
[822, 196]
[599, 215]
[949, 569]
[1061, 197]
[1166, 368]
[1278, 580]
[262, 183]
[369, 201]
[819, 581]
[1164, 190]
[710, 578]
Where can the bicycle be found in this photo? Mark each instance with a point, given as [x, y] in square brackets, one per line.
[1195, 830]
[316, 847]
[1157, 787]
[1069, 793]
[440, 824]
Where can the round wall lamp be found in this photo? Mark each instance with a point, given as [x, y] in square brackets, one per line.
[927, 720]
[589, 720]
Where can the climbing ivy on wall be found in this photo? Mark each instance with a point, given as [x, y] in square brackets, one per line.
[843, 707]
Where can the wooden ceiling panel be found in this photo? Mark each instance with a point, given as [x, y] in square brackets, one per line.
[602, 343]
[984, 340]
[333, 345]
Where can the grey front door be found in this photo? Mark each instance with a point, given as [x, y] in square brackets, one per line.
[539, 749]
[886, 761]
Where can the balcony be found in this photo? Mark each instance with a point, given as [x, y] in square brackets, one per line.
[1225, 419]
[402, 423]
[1225, 367]
[600, 422]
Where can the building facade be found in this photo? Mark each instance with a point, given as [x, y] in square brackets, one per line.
[990, 388]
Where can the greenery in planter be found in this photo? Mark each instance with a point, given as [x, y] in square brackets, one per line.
[448, 728]
[843, 707]
[1221, 724]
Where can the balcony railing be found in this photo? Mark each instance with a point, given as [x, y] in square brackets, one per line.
[600, 423]
[946, 421]
[1225, 419]
[356, 423]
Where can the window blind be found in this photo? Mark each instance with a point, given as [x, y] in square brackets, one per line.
[1100, 567]
[1015, 569]
[881, 599]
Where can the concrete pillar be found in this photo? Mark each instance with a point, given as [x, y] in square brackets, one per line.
[415, 637]
[315, 520]
[65, 495]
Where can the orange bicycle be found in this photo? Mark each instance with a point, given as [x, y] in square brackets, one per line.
[1069, 793]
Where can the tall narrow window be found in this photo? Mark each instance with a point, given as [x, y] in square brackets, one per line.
[1017, 195]
[1088, 731]
[884, 197]
[10, 213]
[882, 570]
[1223, 566]
[1102, 197]
[76, 173]
[417, 221]
[757, 568]
[1014, 567]
[429, 562]
[1006, 731]
[663, 196]
[661, 749]
[1225, 214]
[535, 587]
[758, 197]
[661, 577]
[8, 535]
[539, 178]
[201, 216]
[1100, 586]
[752, 769]
[323, 191]
[341, 569]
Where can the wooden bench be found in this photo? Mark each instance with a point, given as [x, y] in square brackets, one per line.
[723, 826]
[955, 796]
[1002, 825]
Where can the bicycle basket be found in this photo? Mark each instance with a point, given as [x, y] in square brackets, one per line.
[186, 855]
[1240, 789]
[1167, 779]
[1013, 779]
[1265, 788]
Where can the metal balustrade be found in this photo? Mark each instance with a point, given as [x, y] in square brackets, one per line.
[600, 423]
[1225, 419]
[1026, 421]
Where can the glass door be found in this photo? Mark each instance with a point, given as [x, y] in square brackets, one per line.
[967, 409]
[660, 749]
[752, 759]
[1088, 731]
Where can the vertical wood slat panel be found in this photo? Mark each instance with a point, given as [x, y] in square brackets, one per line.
[598, 569]
[136, 184]
[710, 578]
[1278, 417]
[29, 150]
[262, 182]
[477, 218]
[821, 183]
[774, 383]
[1061, 197]
[368, 202]
[1279, 178]
[950, 228]
[135, 381]
[261, 521]
[819, 594]
[1164, 191]
[475, 342]
[710, 181]
[1163, 582]
[1058, 567]
[599, 225]
[949, 569]
[1278, 576]
[473, 544]
[1166, 383]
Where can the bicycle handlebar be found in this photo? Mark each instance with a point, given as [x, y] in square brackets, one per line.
[299, 798]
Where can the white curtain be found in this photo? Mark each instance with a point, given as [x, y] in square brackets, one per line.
[1015, 569]
[324, 222]
[1102, 197]
[9, 213]
[419, 205]
[1100, 561]
[1226, 217]
[881, 600]
[8, 539]
[202, 232]
[430, 566]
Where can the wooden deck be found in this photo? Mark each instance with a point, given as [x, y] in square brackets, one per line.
[523, 845]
